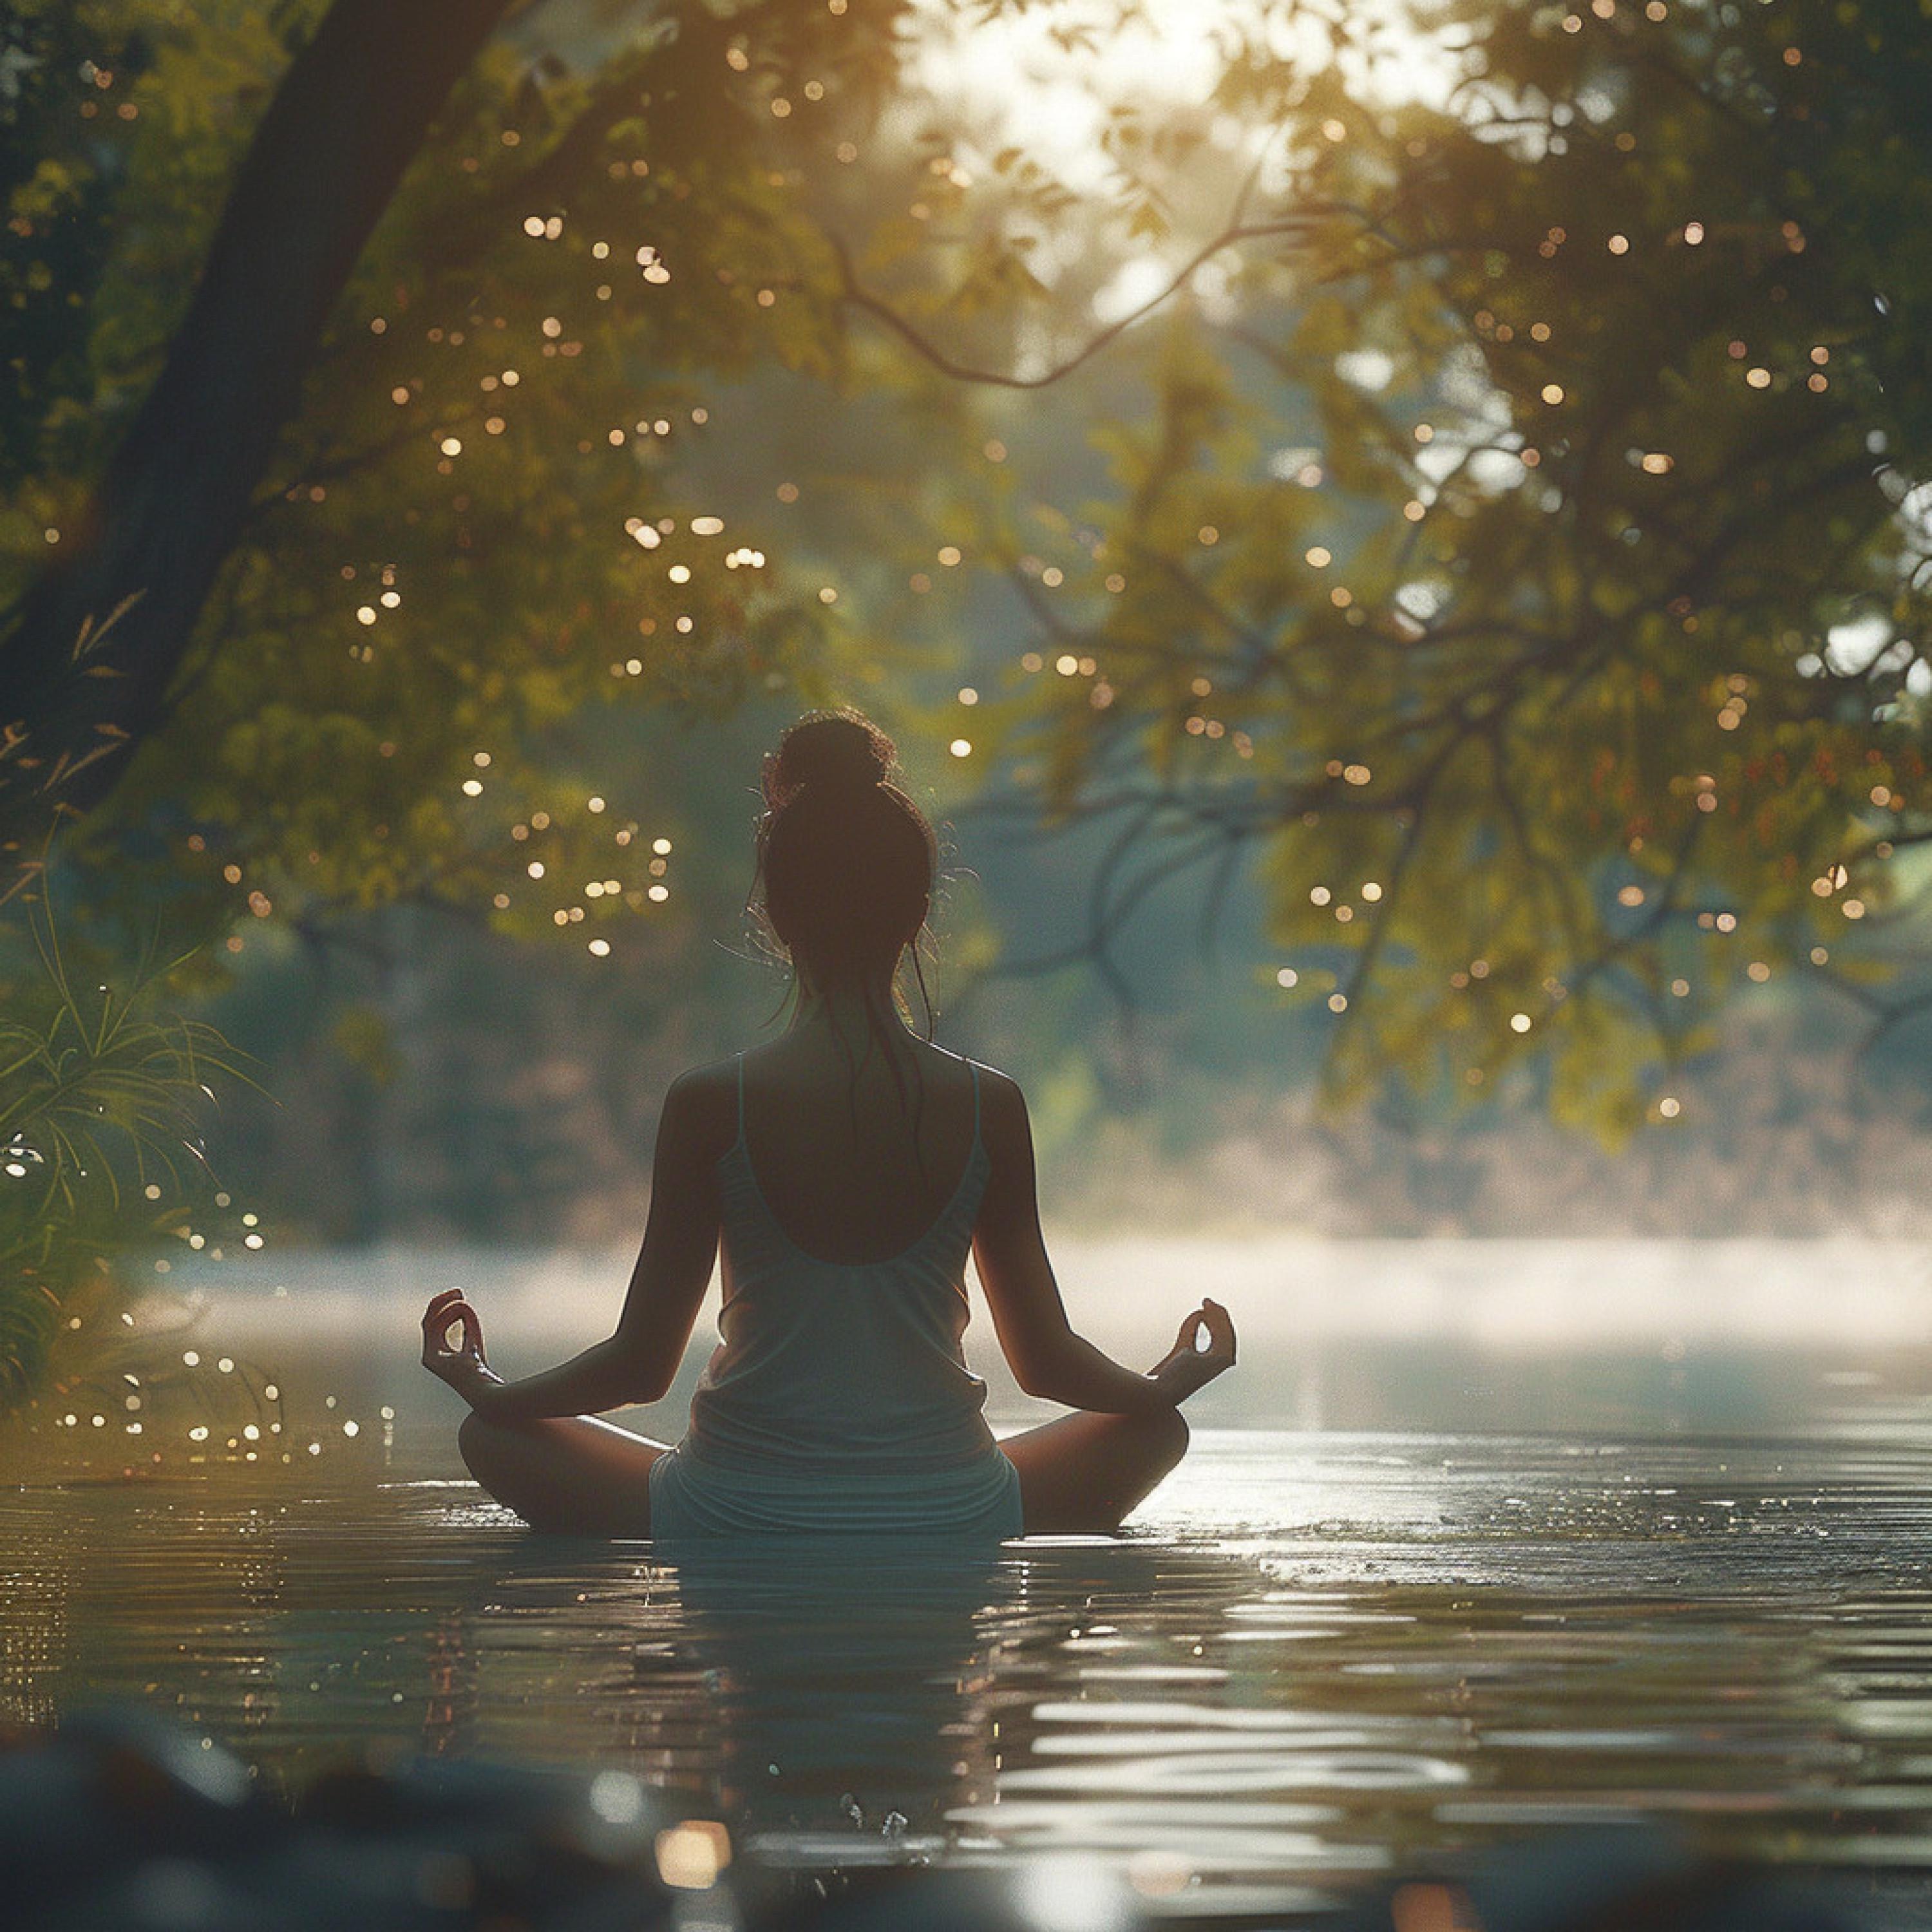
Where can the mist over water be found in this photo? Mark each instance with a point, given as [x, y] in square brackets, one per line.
[1494, 1334]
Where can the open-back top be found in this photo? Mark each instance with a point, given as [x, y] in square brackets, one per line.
[841, 1365]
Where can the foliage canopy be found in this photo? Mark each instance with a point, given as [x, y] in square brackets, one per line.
[1509, 522]
[1528, 549]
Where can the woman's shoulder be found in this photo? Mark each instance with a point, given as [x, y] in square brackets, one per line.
[1001, 1103]
[715, 1076]
[702, 1103]
[988, 1076]
[710, 1093]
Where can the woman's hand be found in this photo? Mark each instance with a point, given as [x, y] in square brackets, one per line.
[463, 1366]
[1204, 1349]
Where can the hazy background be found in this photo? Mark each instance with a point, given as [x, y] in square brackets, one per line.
[1393, 545]
[436, 1083]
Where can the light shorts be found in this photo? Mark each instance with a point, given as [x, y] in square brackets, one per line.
[977, 1501]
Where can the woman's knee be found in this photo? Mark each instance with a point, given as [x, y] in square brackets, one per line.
[500, 1459]
[1169, 1434]
[482, 1446]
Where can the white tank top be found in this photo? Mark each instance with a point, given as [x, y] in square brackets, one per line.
[840, 1365]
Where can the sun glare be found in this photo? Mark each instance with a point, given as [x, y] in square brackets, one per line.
[1049, 76]
[1049, 82]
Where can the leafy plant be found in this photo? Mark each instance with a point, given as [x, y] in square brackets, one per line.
[102, 1098]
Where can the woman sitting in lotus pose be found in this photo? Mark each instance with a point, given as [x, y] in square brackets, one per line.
[846, 1168]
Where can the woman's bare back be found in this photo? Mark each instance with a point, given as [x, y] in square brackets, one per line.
[854, 1164]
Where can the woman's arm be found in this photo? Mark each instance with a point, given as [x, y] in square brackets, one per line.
[637, 1362]
[1047, 1357]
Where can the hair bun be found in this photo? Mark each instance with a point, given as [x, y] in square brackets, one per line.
[828, 752]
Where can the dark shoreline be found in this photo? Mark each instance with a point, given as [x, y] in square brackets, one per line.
[117, 1821]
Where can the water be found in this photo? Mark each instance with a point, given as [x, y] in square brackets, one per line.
[1325, 1656]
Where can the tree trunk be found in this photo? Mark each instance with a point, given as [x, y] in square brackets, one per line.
[80, 685]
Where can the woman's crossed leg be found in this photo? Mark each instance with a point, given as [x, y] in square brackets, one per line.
[577, 1475]
[1084, 1474]
[571, 1475]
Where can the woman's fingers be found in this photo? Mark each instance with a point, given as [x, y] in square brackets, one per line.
[1218, 1354]
[439, 1304]
[1203, 1349]
[450, 1325]
[1220, 1326]
[453, 1339]
[1211, 1316]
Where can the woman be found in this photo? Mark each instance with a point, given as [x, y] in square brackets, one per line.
[846, 1167]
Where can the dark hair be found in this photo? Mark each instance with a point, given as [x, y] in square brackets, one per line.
[846, 859]
[846, 862]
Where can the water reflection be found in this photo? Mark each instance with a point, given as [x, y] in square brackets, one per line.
[850, 1690]
[1326, 1657]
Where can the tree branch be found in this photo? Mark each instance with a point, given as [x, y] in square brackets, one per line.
[855, 295]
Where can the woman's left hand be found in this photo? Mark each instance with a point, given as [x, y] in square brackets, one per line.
[1204, 1349]
[463, 1367]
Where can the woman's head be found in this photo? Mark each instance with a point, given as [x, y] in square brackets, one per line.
[846, 859]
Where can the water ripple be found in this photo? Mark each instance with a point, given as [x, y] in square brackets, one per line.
[1320, 1657]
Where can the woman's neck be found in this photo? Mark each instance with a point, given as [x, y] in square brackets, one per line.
[854, 1013]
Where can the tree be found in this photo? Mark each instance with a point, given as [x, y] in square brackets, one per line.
[439, 452]
[92, 650]
[1443, 546]
[1531, 561]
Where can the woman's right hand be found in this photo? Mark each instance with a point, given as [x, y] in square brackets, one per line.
[1204, 1349]
[461, 1363]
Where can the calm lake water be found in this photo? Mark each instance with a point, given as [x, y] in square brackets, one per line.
[1416, 1589]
